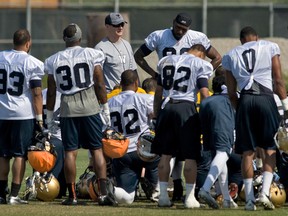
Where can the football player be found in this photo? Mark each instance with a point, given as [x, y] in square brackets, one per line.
[76, 73]
[130, 114]
[177, 126]
[255, 68]
[175, 41]
[21, 104]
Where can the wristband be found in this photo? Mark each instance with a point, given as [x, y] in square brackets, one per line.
[39, 117]
[285, 104]
[105, 106]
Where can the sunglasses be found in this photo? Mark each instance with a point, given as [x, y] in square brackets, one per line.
[119, 25]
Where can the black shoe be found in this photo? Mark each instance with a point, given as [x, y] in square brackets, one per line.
[147, 187]
[69, 201]
[107, 200]
[178, 190]
[3, 200]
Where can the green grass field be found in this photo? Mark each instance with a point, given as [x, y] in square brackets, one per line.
[139, 207]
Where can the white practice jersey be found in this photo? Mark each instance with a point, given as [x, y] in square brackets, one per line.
[17, 69]
[73, 68]
[165, 43]
[252, 61]
[55, 131]
[129, 113]
[179, 75]
[118, 58]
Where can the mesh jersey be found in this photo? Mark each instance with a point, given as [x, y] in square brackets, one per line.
[118, 58]
[17, 69]
[251, 61]
[73, 68]
[129, 113]
[56, 131]
[165, 43]
[179, 75]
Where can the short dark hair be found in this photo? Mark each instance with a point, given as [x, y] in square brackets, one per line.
[128, 77]
[217, 83]
[149, 84]
[246, 31]
[21, 37]
[198, 47]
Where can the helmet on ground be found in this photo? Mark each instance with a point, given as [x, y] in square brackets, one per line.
[144, 146]
[82, 186]
[93, 187]
[277, 194]
[42, 156]
[47, 188]
[115, 144]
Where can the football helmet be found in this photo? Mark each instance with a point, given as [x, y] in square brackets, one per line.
[281, 138]
[44, 187]
[93, 187]
[115, 144]
[144, 146]
[42, 156]
[277, 194]
[82, 186]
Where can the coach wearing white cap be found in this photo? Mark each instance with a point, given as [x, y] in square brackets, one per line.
[118, 52]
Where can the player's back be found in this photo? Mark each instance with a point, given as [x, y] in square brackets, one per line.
[17, 68]
[73, 68]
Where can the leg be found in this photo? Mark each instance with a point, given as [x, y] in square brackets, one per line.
[190, 173]
[164, 170]
[4, 171]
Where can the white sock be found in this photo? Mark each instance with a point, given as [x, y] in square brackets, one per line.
[190, 191]
[267, 180]
[121, 196]
[163, 190]
[216, 166]
[249, 192]
[223, 182]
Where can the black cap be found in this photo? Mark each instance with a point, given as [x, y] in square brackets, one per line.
[183, 19]
[114, 19]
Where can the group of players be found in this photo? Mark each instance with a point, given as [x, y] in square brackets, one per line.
[243, 100]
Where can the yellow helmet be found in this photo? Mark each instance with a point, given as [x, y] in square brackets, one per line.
[277, 194]
[47, 188]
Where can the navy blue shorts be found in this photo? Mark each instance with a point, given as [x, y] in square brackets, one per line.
[217, 118]
[178, 131]
[16, 137]
[127, 171]
[81, 132]
[257, 121]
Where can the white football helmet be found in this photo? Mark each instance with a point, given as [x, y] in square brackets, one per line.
[281, 139]
[144, 146]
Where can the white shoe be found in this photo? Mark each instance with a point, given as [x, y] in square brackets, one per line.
[192, 203]
[155, 196]
[16, 200]
[250, 206]
[229, 204]
[206, 196]
[265, 201]
[164, 202]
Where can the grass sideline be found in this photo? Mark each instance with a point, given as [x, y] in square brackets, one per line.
[139, 207]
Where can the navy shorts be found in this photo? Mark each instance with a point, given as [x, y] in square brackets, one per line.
[16, 137]
[257, 121]
[127, 171]
[81, 132]
[178, 131]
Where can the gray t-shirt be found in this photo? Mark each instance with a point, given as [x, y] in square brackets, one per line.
[118, 58]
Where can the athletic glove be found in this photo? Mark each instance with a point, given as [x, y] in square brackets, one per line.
[105, 115]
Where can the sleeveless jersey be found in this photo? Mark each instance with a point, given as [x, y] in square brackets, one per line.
[179, 75]
[251, 62]
[17, 69]
[164, 43]
[129, 113]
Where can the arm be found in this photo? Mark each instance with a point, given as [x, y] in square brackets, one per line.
[157, 100]
[51, 94]
[37, 102]
[99, 84]
[140, 60]
[204, 93]
[279, 86]
[215, 57]
[232, 88]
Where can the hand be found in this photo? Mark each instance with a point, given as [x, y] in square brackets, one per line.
[39, 126]
[105, 115]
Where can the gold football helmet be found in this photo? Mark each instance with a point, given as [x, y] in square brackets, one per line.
[47, 188]
[277, 194]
